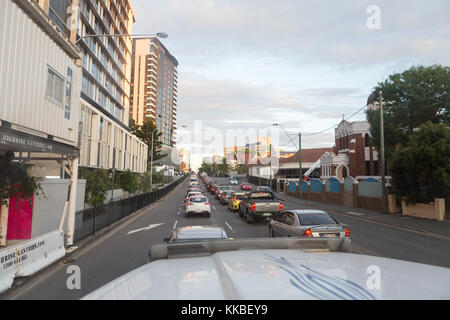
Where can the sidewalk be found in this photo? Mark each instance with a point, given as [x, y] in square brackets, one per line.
[441, 228]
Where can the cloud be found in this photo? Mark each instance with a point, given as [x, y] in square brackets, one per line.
[250, 63]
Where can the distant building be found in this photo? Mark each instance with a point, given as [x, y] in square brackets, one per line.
[288, 168]
[259, 149]
[154, 87]
[185, 157]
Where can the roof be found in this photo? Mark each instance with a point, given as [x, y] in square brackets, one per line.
[306, 211]
[279, 274]
[308, 155]
[200, 232]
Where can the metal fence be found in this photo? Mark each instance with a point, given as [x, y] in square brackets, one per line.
[89, 221]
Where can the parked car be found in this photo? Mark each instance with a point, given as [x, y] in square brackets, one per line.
[246, 186]
[233, 202]
[234, 182]
[198, 205]
[224, 196]
[197, 233]
[257, 205]
[307, 223]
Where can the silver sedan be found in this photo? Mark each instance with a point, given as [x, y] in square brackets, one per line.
[307, 223]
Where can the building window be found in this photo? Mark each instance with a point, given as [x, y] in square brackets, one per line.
[366, 140]
[55, 86]
[367, 168]
[375, 168]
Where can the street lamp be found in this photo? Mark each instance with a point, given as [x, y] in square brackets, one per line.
[300, 174]
[162, 35]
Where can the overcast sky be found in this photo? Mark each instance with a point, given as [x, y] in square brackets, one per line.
[302, 63]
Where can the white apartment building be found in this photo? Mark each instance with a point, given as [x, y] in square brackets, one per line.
[106, 141]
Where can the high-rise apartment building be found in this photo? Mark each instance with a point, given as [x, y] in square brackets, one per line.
[106, 141]
[154, 87]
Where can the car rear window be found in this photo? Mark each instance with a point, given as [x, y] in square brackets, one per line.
[198, 200]
[240, 197]
[261, 195]
[312, 219]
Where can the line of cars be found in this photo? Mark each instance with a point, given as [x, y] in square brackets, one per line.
[263, 204]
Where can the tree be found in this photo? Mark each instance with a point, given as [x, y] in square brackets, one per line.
[421, 168]
[411, 98]
[205, 167]
[97, 183]
[144, 132]
[144, 182]
[14, 179]
[242, 169]
[223, 168]
[128, 181]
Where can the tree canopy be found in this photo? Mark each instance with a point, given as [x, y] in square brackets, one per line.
[410, 98]
[421, 168]
[144, 132]
[128, 181]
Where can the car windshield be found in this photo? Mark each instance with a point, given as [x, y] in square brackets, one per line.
[312, 219]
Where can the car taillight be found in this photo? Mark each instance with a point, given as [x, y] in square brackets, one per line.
[223, 197]
[207, 203]
[281, 207]
[188, 203]
[307, 233]
[347, 232]
[253, 207]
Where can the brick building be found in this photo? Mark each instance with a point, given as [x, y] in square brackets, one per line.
[352, 155]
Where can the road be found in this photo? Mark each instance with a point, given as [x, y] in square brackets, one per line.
[126, 247]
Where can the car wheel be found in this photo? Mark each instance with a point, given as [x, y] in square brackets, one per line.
[248, 218]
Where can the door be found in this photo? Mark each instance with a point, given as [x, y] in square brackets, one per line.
[20, 218]
[289, 225]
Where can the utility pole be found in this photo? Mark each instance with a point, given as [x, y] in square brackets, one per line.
[383, 167]
[300, 173]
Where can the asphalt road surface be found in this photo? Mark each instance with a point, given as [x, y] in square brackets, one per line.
[126, 247]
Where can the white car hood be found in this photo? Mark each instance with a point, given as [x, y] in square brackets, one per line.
[280, 274]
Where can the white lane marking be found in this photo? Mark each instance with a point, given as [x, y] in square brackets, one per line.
[229, 226]
[355, 213]
[175, 225]
[146, 228]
